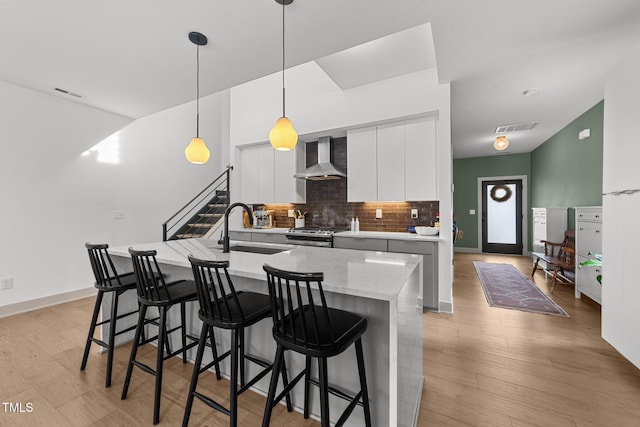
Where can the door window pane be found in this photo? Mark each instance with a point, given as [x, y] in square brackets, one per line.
[501, 213]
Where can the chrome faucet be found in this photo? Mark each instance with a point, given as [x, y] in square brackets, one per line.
[225, 238]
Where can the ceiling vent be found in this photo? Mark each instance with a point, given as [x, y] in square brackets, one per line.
[516, 127]
[66, 92]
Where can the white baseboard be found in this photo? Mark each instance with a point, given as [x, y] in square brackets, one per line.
[34, 304]
[446, 307]
[466, 250]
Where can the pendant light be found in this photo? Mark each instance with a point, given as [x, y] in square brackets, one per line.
[197, 152]
[283, 136]
[501, 143]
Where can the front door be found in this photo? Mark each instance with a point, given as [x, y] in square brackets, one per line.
[502, 216]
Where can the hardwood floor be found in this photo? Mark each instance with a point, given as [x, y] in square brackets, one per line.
[483, 367]
[495, 367]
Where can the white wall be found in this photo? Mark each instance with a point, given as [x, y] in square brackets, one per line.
[54, 200]
[316, 104]
[621, 230]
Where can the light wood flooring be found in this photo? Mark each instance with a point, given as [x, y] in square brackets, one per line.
[483, 367]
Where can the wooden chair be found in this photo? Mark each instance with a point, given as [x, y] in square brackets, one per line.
[560, 256]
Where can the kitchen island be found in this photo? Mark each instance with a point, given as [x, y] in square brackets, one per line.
[383, 287]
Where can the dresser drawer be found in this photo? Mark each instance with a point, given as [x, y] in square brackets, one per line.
[589, 216]
[586, 281]
[360, 243]
[589, 237]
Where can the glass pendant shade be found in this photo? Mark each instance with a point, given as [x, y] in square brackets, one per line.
[501, 143]
[283, 136]
[197, 152]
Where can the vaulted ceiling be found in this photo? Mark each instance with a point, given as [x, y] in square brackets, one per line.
[133, 58]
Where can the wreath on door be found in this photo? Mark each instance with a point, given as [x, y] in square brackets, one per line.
[503, 198]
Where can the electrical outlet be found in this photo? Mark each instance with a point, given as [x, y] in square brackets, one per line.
[118, 214]
[290, 213]
[378, 213]
[414, 213]
[472, 211]
[6, 283]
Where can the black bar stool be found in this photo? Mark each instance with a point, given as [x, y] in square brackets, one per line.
[302, 322]
[221, 306]
[154, 291]
[108, 280]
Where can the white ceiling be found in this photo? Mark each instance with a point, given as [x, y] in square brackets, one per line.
[134, 58]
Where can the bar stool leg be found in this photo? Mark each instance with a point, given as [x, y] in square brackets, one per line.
[363, 383]
[112, 336]
[324, 391]
[159, 362]
[215, 352]
[242, 361]
[196, 373]
[92, 328]
[277, 362]
[285, 383]
[134, 350]
[307, 386]
[183, 319]
[233, 383]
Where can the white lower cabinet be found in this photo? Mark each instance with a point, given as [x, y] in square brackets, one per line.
[588, 242]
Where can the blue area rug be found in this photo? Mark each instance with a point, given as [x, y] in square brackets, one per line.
[506, 287]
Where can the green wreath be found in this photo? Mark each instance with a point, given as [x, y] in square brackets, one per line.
[505, 197]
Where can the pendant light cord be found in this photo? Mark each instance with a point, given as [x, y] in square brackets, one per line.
[283, 101]
[198, 91]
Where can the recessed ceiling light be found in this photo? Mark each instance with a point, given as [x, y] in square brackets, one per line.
[531, 92]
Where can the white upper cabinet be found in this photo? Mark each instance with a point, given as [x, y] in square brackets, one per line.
[393, 162]
[420, 159]
[362, 181]
[287, 188]
[266, 175]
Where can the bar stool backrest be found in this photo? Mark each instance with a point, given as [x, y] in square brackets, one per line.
[150, 283]
[299, 298]
[217, 295]
[103, 269]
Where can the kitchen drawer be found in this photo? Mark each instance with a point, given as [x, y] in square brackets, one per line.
[589, 216]
[269, 238]
[412, 247]
[360, 243]
[589, 237]
[244, 236]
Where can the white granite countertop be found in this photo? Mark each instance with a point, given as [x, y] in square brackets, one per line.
[388, 235]
[377, 275]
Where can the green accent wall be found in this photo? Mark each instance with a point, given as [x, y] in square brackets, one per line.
[465, 181]
[567, 172]
[562, 172]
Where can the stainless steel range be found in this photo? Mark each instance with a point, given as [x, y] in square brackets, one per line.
[312, 236]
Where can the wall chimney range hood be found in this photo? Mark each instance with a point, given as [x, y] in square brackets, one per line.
[324, 169]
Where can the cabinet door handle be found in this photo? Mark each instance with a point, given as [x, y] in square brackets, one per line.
[597, 231]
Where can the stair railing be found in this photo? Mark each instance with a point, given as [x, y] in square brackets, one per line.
[221, 183]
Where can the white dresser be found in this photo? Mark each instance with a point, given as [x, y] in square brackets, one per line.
[588, 240]
[548, 224]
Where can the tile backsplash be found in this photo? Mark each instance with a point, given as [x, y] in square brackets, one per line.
[327, 202]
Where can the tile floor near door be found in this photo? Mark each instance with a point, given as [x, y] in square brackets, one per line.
[483, 367]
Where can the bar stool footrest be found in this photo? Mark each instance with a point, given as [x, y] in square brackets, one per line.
[212, 403]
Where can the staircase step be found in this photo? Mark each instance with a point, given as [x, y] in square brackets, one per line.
[217, 205]
[202, 225]
[188, 236]
[211, 215]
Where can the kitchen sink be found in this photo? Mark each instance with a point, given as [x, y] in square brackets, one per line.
[258, 249]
